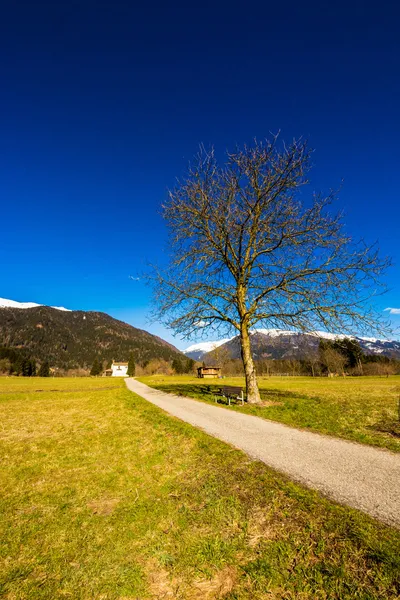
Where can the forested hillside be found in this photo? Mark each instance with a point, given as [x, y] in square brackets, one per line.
[74, 339]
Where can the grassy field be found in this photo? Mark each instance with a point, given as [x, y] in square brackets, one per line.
[363, 409]
[105, 497]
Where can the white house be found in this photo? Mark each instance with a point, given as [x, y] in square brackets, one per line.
[119, 369]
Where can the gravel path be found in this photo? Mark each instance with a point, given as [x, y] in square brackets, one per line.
[360, 476]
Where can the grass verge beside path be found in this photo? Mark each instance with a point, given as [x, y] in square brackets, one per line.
[105, 497]
[362, 409]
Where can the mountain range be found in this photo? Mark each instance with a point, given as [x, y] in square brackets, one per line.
[73, 338]
[70, 339]
[282, 344]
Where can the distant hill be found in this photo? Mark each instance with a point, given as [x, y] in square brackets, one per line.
[72, 339]
[281, 344]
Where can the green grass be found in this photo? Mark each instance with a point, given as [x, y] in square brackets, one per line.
[103, 497]
[363, 409]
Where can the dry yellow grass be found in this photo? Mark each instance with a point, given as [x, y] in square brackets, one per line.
[105, 497]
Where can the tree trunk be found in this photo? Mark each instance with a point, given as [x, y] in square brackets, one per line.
[252, 392]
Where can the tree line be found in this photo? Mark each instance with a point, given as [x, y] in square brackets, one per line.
[334, 358]
[17, 362]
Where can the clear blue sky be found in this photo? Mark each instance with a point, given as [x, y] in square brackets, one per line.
[102, 104]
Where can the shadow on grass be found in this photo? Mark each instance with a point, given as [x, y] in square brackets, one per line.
[206, 392]
[60, 390]
[389, 427]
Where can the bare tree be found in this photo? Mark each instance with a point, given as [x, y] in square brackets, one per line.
[219, 356]
[312, 360]
[294, 366]
[246, 251]
[333, 360]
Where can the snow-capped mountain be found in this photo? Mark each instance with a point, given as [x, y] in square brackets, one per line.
[279, 343]
[4, 303]
[196, 351]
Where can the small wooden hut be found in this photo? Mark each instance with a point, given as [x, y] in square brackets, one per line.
[208, 372]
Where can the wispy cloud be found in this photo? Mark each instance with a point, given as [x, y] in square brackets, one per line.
[134, 278]
[393, 311]
[201, 324]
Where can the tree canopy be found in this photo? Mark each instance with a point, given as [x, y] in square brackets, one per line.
[96, 368]
[44, 370]
[131, 365]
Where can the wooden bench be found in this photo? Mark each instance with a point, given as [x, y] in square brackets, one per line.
[230, 392]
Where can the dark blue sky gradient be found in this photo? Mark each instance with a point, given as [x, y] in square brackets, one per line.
[103, 104]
